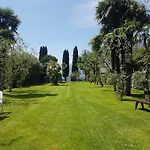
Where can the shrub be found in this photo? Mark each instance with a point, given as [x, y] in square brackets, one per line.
[138, 79]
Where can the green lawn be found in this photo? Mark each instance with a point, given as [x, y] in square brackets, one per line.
[74, 116]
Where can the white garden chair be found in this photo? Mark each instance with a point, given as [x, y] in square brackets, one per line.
[1, 100]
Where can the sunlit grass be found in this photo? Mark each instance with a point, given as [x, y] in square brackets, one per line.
[74, 116]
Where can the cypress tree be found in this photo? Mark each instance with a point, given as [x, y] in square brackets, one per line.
[43, 52]
[75, 58]
[65, 64]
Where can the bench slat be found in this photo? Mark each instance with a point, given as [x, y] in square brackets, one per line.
[143, 101]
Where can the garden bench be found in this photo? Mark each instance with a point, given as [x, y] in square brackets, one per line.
[146, 94]
[142, 103]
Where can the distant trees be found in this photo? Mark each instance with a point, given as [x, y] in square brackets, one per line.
[65, 64]
[43, 52]
[9, 23]
[84, 65]
[35, 69]
[74, 62]
[44, 59]
[19, 66]
[16, 67]
[53, 71]
[93, 67]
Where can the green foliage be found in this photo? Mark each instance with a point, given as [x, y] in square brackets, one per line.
[65, 64]
[75, 76]
[53, 71]
[96, 42]
[44, 60]
[75, 59]
[121, 22]
[17, 66]
[93, 66]
[35, 70]
[139, 59]
[113, 14]
[4, 47]
[84, 64]
[43, 52]
[121, 85]
[9, 23]
[138, 78]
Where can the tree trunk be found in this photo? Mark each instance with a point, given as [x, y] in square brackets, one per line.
[114, 85]
[1, 73]
[128, 79]
[1, 80]
[9, 89]
[65, 79]
[85, 78]
[129, 69]
[2, 64]
[101, 83]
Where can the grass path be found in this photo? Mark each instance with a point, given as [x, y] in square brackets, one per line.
[74, 116]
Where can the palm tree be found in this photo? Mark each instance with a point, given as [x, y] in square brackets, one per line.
[113, 14]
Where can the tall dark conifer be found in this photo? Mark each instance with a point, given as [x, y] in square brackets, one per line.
[75, 58]
[65, 64]
[43, 52]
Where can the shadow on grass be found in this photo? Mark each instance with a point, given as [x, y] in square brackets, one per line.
[11, 141]
[63, 85]
[140, 96]
[23, 103]
[145, 109]
[63, 82]
[4, 115]
[137, 96]
[27, 96]
[22, 91]
[24, 99]
[128, 100]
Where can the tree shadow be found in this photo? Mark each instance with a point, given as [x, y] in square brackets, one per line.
[4, 115]
[22, 91]
[29, 96]
[128, 100]
[11, 141]
[63, 82]
[140, 96]
[63, 85]
[145, 109]
[24, 99]
[109, 90]
[135, 96]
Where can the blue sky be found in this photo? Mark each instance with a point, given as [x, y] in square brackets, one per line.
[56, 24]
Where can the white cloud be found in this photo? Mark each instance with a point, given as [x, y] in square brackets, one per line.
[83, 14]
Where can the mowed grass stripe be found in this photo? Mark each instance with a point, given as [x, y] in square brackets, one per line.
[74, 116]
